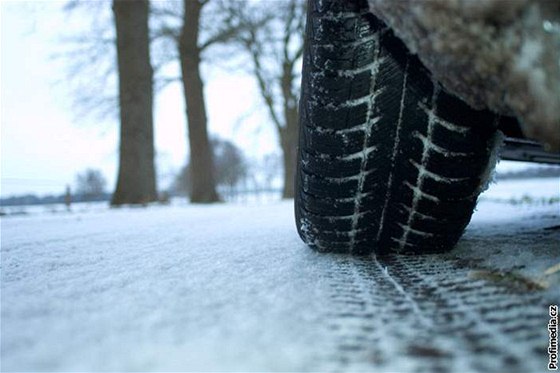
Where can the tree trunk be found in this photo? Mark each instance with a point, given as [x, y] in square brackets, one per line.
[289, 133]
[136, 182]
[288, 143]
[203, 188]
[289, 156]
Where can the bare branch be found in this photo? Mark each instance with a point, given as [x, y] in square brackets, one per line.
[288, 30]
[161, 12]
[162, 82]
[223, 36]
[264, 85]
[164, 32]
[297, 55]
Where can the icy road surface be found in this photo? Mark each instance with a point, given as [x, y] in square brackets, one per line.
[232, 288]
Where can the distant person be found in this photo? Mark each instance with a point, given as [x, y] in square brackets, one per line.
[68, 198]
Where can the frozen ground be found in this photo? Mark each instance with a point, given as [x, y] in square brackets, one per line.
[232, 288]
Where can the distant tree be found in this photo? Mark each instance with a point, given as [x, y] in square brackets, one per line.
[271, 33]
[182, 183]
[90, 184]
[229, 168]
[229, 163]
[136, 181]
[68, 198]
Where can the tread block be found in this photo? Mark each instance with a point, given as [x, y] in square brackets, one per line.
[337, 90]
[336, 117]
[328, 167]
[331, 60]
[322, 187]
[333, 143]
[345, 29]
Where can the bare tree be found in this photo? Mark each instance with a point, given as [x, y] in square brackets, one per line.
[90, 184]
[203, 182]
[230, 166]
[110, 75]
[182, 27]
[272, 35]
[194, 34]
[229, 169]
[136, 179]
[90, 54]
[89, 57]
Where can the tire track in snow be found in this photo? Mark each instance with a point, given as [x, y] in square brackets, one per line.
[424, 314]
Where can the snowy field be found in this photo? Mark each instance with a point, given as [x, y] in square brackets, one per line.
[523, 191]
[232, 288]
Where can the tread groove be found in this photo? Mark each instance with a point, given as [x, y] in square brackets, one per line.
[377, 62]
[418, 193]
[393, 155]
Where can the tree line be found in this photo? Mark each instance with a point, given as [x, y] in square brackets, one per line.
[268, 35]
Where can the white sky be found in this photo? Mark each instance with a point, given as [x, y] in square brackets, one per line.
[44, 145]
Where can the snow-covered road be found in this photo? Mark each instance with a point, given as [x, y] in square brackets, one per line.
[232, 288]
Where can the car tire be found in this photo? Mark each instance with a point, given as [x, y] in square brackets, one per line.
[388, 161]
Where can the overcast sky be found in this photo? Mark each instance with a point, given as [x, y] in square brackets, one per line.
[43, 142]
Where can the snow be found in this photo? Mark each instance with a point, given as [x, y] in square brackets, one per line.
[159, 288]
[527, 210]
[516, 190]
[204, 288]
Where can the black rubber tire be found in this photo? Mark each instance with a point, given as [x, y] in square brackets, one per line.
[387, 160]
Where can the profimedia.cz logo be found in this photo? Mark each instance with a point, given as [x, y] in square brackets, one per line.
[553, 338]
